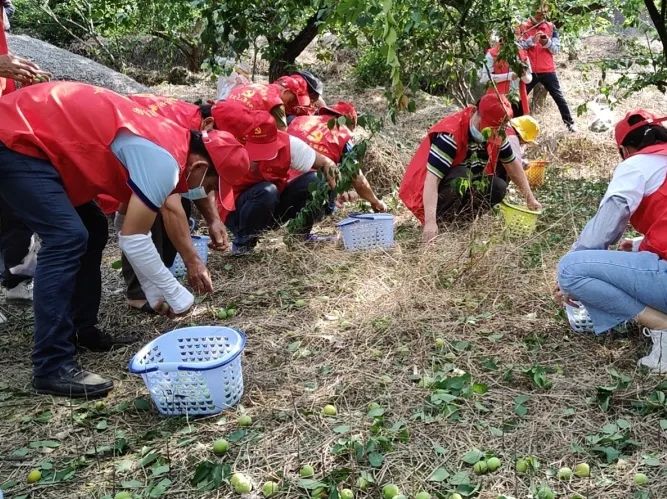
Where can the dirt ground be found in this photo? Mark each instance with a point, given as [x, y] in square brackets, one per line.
[433, 356]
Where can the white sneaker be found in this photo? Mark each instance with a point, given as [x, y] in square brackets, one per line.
[657, 359]
[21, 292]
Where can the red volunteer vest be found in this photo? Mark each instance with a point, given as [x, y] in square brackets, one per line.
[6, 85]
[493, 148]
[315, 131]
[411, 191]
[274, 171]
[541, 60]
[72, 126]
[257, 96]
[180, 112]
[499, 67]
[650, 217]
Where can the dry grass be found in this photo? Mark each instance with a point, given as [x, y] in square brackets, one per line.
[367, 334]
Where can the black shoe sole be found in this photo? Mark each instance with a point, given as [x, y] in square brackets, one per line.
[100, 392]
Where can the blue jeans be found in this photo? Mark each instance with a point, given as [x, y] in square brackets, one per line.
[262, 207]
[614, 286]
[67, 281]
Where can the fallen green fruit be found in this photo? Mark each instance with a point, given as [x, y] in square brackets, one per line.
[34, 476]
[480, 467]
[220, 447]
[439, 343]
[640, 479]
[346, 494]
[455, 496]
[123, 494]
[270, 488]
[362, 483]
[241, 483]
[231, 312]
[582, 470]
[329, 410]
[522, 465]
[422, 495]
[300, 303]
[222, 313]
[545, 492]
[390, 491]
[564, 473]
[307, 471]
[245, 421]
[493, 463]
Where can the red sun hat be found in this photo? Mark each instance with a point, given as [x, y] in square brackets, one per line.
[493, 110]
[623, 127]
[230, 161]
[243, 123]
[341, 108]
[297, 86]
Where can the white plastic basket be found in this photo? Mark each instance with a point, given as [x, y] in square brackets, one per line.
[193, 370]
[201, 245]
[367, 231]
[580, 320]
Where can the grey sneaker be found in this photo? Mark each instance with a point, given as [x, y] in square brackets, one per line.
[21, 292]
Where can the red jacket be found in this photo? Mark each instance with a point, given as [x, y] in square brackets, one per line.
[180, 112]
[6, 85]
[650, 217]
[541, 58]
[257, 96]
[501, 66]
[411, 191]
[315, 131]
[72, 125]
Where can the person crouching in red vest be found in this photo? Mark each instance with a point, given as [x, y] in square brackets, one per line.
[62, 144]
[540, 39]
[334, 142]
[446, 173]
[271, 98]
[630, 284]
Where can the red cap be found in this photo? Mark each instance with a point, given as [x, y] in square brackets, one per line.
[230, 160]
[243, 123]
[493, 110]
[296, 85]
[257, 96]
[262, 141]
[623, 127]
[341, 109]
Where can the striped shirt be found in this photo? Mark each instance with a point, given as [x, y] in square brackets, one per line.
[443, 152]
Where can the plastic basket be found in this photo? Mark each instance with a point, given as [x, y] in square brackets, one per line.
[193, 370]
[536, 172]
[367, 231]
[519, 221]
[201, 245]
[579, 319]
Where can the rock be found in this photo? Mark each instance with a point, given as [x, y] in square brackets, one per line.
[65, 65]
[178, 75]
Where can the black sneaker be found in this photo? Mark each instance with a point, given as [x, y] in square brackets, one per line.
[72, 381]
[96, 340]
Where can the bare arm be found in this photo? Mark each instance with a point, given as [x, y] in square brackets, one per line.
[431, 183]
[178, 230]
[216, 229]
[518, 176]
[328, 167]
[365, 191]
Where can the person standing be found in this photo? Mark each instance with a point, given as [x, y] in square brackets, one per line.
[540, 39]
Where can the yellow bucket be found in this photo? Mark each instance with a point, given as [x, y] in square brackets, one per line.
[519, 221]
[535, 173]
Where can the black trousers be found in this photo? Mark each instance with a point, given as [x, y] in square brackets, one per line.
[165, 249]
[463, 193]
[262, 207]
[552, 85]
[14, 245]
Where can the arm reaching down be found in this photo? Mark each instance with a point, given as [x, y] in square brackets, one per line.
[365, 191]
[518, 175]
[216, 229]
[178, 230]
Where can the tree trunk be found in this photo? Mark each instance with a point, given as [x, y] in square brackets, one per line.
[280, 64]
[658, 20]
[539, 97]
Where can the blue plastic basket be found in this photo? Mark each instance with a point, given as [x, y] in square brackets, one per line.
[367, 231]
[201, 245]
[193, 370]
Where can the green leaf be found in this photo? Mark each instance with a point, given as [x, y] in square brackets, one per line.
[159, 469]
[460, 478]
[341, 429]
[472, 456]
[142, 404]
[149, 458]
[160, 489]
[480, 388]
[22, 452]
[102, 425]
[38, 444]
[124, 466]
[131, 484]
[650, 460]
[310, 483]
[44, 417]
[376, 412]
[117, 265]
[375, 459]
[439, 475]
[663, 424]
[237, 436]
